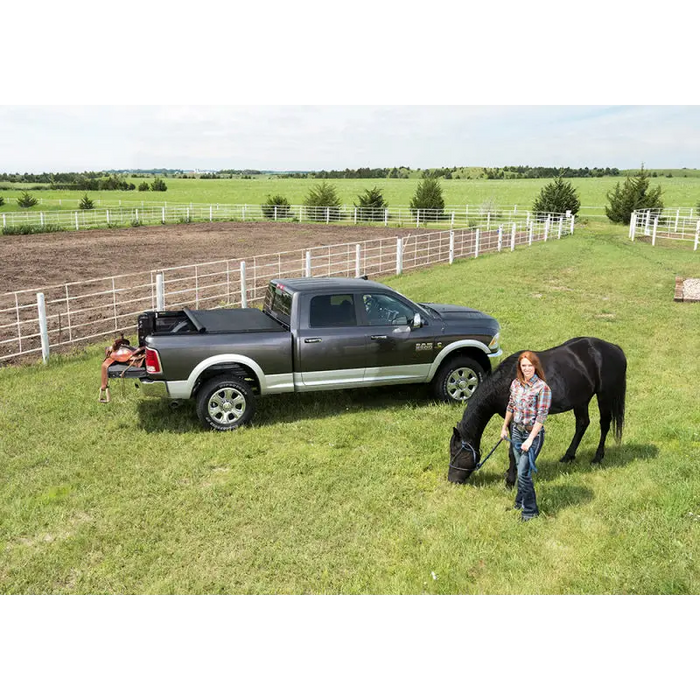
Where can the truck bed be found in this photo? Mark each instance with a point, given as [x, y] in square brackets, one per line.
[232, 321]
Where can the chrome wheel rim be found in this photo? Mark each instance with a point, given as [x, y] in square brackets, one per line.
[462, 383]
[226, 406]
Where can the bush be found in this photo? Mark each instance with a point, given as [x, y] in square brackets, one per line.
[371, 205]
[280, 203]
[159, 185]
[144, 186]
[2, 201]
[320, 197]
[635, 193]
[428, 196]
[86, 203]
[26, 200]
[558, 196]
[26, 229]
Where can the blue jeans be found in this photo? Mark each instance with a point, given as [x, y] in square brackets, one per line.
[525, 498]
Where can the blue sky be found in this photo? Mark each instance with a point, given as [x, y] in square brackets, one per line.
[57, 138]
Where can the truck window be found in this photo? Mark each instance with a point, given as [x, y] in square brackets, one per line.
[332, 311]
[278, 303]
[384, 310]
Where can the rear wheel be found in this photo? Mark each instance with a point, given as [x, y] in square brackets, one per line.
[457, 379]
[225, 403]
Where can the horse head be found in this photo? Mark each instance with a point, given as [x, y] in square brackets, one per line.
[464, 458]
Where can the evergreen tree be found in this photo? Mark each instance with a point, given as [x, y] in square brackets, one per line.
[371, 205]
[86, 203]
[280, 203]
[558, 196]
[26, 201]
[143, 186]
[635, 193]
[2, 201]
[159, 185]
[428, 199]
[321, 197]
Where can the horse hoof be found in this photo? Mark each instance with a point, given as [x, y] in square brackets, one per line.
[596, 460]
[510, 485]
[567, 458]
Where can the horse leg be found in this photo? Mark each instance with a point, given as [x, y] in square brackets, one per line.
[605, 420]
[512, 473]
[582, 423]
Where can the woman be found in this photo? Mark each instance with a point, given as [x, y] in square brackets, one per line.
[530, 399]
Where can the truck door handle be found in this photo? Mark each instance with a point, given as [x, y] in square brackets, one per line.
[312, 340]
[377, 337]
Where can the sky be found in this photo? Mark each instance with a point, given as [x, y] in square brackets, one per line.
[35, 138]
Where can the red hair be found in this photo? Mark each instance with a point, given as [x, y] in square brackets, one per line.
[529, 355]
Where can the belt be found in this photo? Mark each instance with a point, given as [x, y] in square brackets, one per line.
[522, 426]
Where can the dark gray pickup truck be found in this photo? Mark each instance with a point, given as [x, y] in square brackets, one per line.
[312, 334]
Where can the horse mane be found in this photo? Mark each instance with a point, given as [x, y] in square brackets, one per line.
[489, 398]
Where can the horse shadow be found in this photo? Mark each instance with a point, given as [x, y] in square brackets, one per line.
[555, 497]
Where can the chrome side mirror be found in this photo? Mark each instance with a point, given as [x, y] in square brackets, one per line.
[417, 320]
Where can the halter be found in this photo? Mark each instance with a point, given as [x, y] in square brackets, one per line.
[478, 466]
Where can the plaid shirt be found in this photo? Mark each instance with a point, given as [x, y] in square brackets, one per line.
[529, 402]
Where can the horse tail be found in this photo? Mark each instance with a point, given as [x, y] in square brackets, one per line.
[616, 388]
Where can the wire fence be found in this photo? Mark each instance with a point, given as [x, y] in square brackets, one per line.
[680, 224]
[467, 216]
[34, 321]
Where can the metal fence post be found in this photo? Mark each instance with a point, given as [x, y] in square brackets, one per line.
[307, 272]
[452, 247]
[357, 260]
[452, 222]
[328, 215]
[77, 227]
[476, 243]
[561, 225]
[546, 228]
[500, 238]
[573, 219]
[211, 213]
[697, 235]
[386, 217]
[633, 223]
[531, 233]
[512, 237]
[417, 218]
[653, 233]
[160, 292]
[244, 294]
[275, 212]
[43, 327]
[399, 255]
[355, 215]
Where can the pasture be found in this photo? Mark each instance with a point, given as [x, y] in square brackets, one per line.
[346, 492]
[677, 191]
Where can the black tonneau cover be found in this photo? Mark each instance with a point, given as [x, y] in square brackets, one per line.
[232, 321]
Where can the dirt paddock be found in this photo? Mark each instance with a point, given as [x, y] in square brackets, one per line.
[44, 259]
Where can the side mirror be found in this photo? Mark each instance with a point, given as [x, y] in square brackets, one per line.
[417, 320]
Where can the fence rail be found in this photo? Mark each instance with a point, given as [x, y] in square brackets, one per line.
[37, 320]
[467, 216]
[677, 224]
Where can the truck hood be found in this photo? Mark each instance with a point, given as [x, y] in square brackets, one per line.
[451, 313]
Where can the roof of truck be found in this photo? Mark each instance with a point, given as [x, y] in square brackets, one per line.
[313, 284]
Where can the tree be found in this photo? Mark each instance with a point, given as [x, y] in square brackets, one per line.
[86, 203]
[276, 207]
[558, 196]
[159, 185]
[371, 205]
[144, 186]
[2, 201]
[26, 200]
[320, 198]
[428, 199]
[635, 193]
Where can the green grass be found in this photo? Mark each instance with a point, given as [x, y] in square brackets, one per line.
[677, 191]
[346, 492]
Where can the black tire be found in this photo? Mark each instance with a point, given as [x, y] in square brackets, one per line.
[457, 379]
[225, 403]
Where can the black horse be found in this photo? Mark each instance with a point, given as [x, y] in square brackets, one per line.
[575, 371]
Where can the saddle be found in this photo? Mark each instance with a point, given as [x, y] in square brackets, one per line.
[120, 352]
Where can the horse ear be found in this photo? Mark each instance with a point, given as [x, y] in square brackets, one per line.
[456, 434]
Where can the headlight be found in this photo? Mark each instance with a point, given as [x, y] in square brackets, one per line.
[494, 341]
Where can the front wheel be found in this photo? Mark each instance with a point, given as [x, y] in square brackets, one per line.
[457, 379]
[225, 403]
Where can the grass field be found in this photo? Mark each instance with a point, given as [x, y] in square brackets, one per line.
[677, 191]
[346, 492]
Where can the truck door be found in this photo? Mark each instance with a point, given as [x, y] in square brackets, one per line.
[331, 346]
[396, 351]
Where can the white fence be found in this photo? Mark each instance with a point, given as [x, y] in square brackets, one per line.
[678, 224]
[468, 216]
[36, 321]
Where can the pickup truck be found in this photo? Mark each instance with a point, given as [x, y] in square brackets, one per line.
[312, 334]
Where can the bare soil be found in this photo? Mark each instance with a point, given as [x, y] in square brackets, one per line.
[44, 259]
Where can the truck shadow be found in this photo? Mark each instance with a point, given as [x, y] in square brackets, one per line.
[180, 417]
